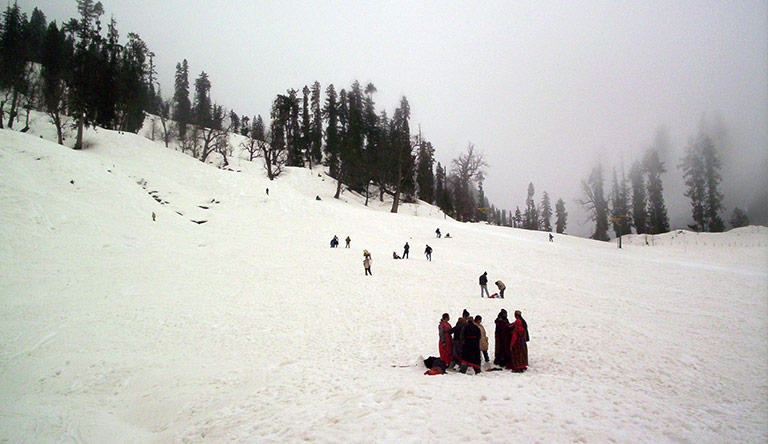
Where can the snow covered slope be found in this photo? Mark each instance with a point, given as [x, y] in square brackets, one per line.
[248, 328]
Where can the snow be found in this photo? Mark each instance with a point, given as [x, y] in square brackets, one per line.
[249, 328]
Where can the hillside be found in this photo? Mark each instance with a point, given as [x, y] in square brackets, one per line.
[248, 328]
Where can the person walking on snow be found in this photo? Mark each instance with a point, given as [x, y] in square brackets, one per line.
[484, 284]
[483, 337]
[428, 252]
[445, 345]
[367, 265]
[348, 241]
[437, 233]
[406, 247]
[500, 285]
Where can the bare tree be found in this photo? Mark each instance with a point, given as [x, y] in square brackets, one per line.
[467, 169]
[165, 114]
[251, 145]
[274, 155]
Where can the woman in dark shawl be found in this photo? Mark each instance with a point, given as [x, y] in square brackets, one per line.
[502, 339]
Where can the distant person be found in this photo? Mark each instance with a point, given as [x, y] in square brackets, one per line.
[406, 248]
[447, 235]
[367, 265]
[395, 256]
[334, 242]
[428, 253]
[502, 339]
[267, 191]
[518, 347]
[483, 337]
[500, 285]
[484, 284]
[154, 216]
[445, 346]
[348, 240]
[318, 197]
[551, 238]
[366, 254]
[437, 233]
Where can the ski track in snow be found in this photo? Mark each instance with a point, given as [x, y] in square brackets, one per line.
[250, 329]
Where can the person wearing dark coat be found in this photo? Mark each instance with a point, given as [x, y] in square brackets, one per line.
[518, 347]
[457, 345]
[428, 252]
[406, 247]
[502, 336]
[470, 352]
[484, 284]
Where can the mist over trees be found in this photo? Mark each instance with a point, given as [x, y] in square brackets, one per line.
[82, 73]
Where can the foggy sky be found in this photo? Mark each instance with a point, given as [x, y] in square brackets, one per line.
[543, 90]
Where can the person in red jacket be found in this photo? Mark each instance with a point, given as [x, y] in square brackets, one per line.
[518, 347]
[445, 345]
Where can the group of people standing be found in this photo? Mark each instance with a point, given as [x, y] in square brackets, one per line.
[335, 242]
[464, 343]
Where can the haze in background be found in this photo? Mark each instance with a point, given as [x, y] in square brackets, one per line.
[545, 91]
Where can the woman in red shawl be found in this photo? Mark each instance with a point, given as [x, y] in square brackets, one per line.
[446, 342]
[518, 348]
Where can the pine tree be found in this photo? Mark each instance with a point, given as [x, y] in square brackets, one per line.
[293, 129]
[202, 109]
[561, 216]
[639, 198]
[400, 135]
[594, 201]
[306, 127]
[424, 176]
[714, 198]
[693, 173]
[518, 221]
[182, 108]
[739, 218]
[56, 58]
[531, 214]
[332, 142]
[620, 205]
[35, 34]
[86, 70]
[13, 59]
[658, 222]
[546, 213]
[316, 139]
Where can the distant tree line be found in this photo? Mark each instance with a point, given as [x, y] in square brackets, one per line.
[639, 202]
[80, 76]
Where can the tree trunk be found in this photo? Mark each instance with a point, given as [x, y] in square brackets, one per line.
[338, 187]
[12, 112]
[59, 135]
[79, 139]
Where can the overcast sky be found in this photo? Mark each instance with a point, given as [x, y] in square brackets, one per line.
[544, 89]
